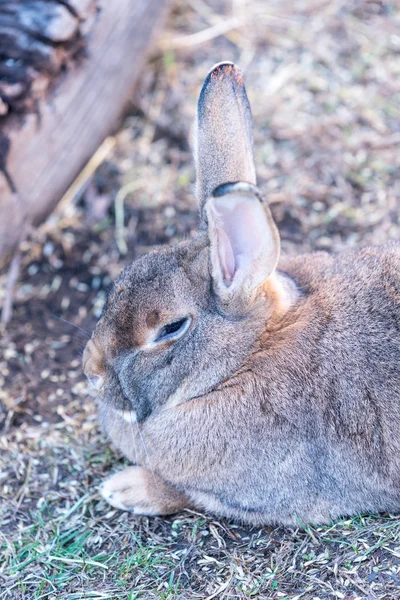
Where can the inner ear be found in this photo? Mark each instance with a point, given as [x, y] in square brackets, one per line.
[244, 243]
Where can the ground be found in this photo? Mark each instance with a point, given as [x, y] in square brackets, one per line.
[323, 79]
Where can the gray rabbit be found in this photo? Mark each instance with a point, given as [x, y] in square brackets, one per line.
[264, 391]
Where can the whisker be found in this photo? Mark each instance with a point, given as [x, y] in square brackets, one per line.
[133, 434]
[115, 420]
[105, 417]
[84, 331]
[122, 424]
[147, 454]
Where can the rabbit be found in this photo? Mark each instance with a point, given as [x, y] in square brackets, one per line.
[255, 388]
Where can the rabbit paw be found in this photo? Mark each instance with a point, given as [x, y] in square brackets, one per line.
[128, 490]
[137, 490]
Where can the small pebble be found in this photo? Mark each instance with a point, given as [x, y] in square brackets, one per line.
[33, 269]
[48, 249]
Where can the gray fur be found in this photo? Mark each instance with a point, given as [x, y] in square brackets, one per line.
[286, 411]
[223, 133]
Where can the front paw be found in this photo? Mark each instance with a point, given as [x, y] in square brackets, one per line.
[130, 490]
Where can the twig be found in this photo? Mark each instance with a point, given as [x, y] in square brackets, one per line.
[12, 278]
[119, 204]
[205, 35]
[76, 186]
[21, 492]
[213, 18]
[221, 588]
[71, 561]
[357, 585]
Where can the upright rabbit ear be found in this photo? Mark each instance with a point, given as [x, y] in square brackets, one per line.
[244, 244]
[223, 131]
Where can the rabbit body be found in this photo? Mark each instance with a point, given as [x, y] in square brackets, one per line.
[308, 427]
[269, 395]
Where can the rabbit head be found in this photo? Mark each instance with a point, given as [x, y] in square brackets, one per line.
[180, 320]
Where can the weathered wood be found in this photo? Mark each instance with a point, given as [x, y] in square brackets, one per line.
[39, 39]
[53, 22]
[42, 151]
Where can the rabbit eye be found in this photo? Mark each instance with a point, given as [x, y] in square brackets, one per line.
[174, 330]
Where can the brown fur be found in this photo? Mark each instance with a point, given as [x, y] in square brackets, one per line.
[281, 401]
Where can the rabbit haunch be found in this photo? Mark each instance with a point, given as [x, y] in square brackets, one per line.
[261, 389]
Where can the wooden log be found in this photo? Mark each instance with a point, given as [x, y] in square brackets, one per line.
[70, 71]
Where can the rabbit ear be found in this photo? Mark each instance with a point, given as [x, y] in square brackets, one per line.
[223, 131]
[244, 246]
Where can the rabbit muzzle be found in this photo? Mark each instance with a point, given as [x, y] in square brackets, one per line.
[104, 379]
[93, 364]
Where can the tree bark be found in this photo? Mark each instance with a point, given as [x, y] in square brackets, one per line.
[71, 69]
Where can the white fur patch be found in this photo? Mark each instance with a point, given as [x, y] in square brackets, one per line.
[129, 416]
[127, 490]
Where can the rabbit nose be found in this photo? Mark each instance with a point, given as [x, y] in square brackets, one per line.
[93, 363]
[96, 381]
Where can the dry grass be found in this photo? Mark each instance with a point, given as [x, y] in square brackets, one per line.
[323, 78]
